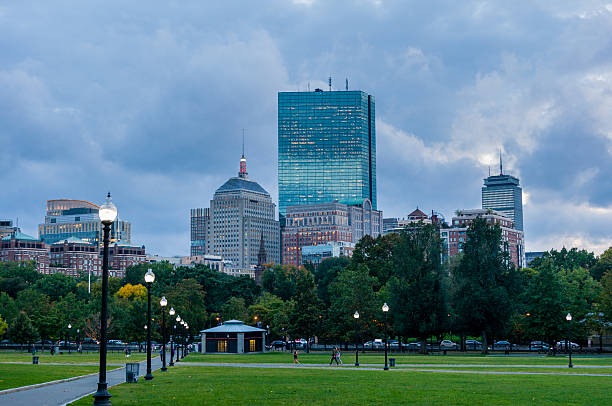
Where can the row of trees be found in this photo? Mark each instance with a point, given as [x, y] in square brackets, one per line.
[479, 293]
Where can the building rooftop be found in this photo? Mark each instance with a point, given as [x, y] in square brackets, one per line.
[19, 236]
[233, 326]
[72, 240]
[237, 184]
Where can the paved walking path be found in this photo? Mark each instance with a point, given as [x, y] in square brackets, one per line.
[64, 392]
[371, 367]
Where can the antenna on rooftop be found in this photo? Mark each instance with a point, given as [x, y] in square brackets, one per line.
[346, 84]
[501, 171]
[243, 142]
[309, 86]
[329, 82]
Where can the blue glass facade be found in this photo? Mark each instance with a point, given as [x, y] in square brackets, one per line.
[326, 148]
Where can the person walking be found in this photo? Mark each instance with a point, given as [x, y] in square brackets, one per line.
[338, 354]
[334, 356]
[295, 357]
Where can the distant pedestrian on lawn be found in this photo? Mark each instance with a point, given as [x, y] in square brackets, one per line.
[338, 354]
[295, 357]
[334, 356]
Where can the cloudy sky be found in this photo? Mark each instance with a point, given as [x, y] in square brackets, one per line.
[149, 99]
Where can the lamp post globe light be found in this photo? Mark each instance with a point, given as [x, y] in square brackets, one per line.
[163, 303]
[68, 341]
[177, 332]
[107, 213]
[569, 343]
[356, 317]
[149, 279]
[171, 312]
[385, 310]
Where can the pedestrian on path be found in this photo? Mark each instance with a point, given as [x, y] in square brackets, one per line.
[295, 357]
[334, 356]
[338, 354]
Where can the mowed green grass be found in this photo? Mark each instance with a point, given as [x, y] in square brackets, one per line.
[195, 385]
[13, 376]
[377, 358]
[74, 358]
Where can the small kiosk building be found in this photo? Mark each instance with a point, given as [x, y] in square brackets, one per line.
[234, 337]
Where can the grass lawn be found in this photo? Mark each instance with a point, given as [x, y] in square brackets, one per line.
[377, 358]
[13, 376]
[239, 386]
[74, 358]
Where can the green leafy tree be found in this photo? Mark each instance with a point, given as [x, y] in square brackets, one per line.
[3, 326]
[566, 259]
[8, 307]
[485, 283]
[234, 309]
[326, 273]
[544, 303]
[56, 285]
[304, 314]
[267, 309]
[418, 295]
[21, 330]
[280, 280]
[603, 265]
[605, 297]
[351, 291]
[377, 255]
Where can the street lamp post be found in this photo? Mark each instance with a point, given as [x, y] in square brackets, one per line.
[149, 279]
[171, 312]
[163, 303]
[356, 316]
[176, 331]
[186, 339]
[107, 213]
[385, 310]
[68, 342]
[569, 343]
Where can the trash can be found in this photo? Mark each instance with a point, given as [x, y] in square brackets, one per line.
[35, 360]
[391, 362]
[131, 372]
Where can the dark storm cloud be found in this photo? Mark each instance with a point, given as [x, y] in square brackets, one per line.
[149, 100]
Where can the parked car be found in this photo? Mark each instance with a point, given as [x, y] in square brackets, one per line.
[538, 346]
[300, 343]
[277, 345]
[116, 342]
[561, 345]
[413, 346]
[393, 344]
[376, 344]
[504, 345]
[448, 345]
[473, 345]
[89, 340]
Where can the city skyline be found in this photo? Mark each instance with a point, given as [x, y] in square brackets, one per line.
[152, 107]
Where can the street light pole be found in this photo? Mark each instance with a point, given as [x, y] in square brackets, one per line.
[569, 343]
[68, 342]
[171, 313]
[149, 278]
[163, 303]
[385, 310]
[176, 331]
[356, 316]
[107, 213]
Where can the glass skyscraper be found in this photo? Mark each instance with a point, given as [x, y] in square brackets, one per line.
[326, 148]
[503, 194]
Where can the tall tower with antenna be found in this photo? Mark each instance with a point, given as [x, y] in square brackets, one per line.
[504, 194]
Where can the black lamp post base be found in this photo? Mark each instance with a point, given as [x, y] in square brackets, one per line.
[171, 364]
[102, 397]
[386, 368]
[164, 369]
[148, 376]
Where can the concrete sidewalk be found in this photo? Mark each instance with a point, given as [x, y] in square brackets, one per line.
[418, 368]
[62, 393]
